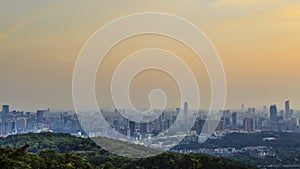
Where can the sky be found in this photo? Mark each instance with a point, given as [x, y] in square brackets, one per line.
[258, 43]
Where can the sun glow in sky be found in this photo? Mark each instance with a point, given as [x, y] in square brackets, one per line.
[258, 42]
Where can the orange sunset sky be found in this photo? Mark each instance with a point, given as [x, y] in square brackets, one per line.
[257, 40]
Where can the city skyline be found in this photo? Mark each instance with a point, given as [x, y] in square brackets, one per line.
[197, 122]
[286, 107]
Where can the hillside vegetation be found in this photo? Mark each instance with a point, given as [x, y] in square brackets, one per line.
[48, 150]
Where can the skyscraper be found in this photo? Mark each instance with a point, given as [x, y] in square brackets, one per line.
[40, 116]
[2, 123]
[273, 114]
[287, 110]
[143, 128]
[132, 128]
[185, 110]
[5, 111]
[234, 119]
[248, 124]
[227, 121]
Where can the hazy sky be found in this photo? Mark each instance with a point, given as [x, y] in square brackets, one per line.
[258, 42]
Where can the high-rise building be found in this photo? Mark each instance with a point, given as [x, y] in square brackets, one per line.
[249, 124]
[5, 111]
[226, 116]
[227, 121]
[249, 110]
[287, 110]
[143, 128]
[132, 128]
[186, 111]
[39, 116]
[2, 123]
[163, 116]
[273, 114]
[233, 118]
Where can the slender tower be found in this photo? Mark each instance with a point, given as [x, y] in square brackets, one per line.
[287, 110]
[5, 111]
[186, 111]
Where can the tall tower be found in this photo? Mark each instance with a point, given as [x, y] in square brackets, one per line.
[287, 110]
[5, 111]
[132, 128]
[273, 114]
[186, 111]
[233, 119]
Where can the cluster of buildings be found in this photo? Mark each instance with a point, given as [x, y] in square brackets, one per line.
[134, 130]
[242, 120]
[19, 122]
[271, 119]
[254, 151]
[247, 120]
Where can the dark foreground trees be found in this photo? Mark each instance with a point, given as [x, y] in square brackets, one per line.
[63, 151]
[14, 158]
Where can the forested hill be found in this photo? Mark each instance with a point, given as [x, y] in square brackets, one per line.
[48, 150]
